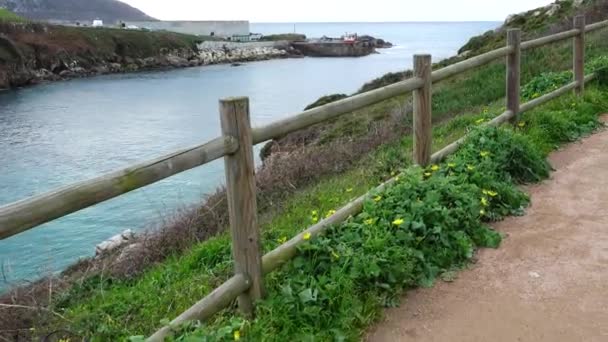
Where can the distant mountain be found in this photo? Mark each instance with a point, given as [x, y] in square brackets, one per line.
[106, 10]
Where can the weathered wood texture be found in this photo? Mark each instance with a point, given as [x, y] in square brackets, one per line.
[242, 206]
[513, 72]
[332, 110]
[548, 97]
[554, 38]
[596, 26]
[26, 214]
[471, 63]
[579, 54]
[216, 301]
[423, 137]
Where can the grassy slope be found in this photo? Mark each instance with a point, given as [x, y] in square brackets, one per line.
[8, 16]
[109, 308]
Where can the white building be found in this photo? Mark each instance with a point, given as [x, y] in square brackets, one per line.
[221, 29]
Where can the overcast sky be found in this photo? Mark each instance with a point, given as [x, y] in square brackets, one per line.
[335, 10]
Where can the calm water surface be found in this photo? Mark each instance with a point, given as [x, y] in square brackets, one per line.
[55, 134]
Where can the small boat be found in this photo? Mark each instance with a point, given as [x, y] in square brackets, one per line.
[350, 38]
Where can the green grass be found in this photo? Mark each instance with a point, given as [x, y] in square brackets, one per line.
[8, 16]
[110, 309]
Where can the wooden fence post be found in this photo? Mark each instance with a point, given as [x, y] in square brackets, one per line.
[423, 138]
[514, 73]
[242, 206]
[579, 54]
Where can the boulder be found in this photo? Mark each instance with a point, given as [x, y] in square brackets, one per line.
[177, 61]
[115, 67]
[114, 242]
[552, 9]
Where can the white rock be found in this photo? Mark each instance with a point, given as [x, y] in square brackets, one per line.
[114, 242]
[553, 9]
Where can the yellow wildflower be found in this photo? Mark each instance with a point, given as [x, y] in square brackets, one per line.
[397, 179]
[306, 236]
[451, 165]
[521, 124]
[349, 190]
[377, 198]
[492, 193]
[237, 335]
[282, 240]
[482, 212]
[480, 121]
[398, 222]
[484, 154]
[330, 213]
[484, 202]
[369, 222]
[435, 168]
[315, 213]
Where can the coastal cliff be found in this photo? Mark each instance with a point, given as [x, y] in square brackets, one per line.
[31, 53]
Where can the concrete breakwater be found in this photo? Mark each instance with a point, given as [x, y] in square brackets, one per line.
[215, 52]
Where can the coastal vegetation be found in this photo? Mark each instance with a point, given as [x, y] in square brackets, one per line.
[8, 16]
[291, 37]
[410, 235]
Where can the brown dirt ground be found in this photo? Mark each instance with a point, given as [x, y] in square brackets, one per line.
[547, 282]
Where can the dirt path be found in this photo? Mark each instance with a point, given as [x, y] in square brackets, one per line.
[547, 282]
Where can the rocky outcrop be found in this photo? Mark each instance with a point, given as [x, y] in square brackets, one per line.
[34, 53]
[225, 52]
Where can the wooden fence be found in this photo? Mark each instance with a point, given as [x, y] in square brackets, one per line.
[236, 147]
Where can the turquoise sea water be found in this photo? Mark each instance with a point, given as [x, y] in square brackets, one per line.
[55, 134]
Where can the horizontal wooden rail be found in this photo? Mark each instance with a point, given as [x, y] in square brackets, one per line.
[440, 155]
[552, 95]
[217, 300]
[531, 44]
[26, 214]
[508, 115]
[333, 110]
[596, 26]
[470, 63]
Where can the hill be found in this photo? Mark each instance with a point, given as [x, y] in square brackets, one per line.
[542, 21]
[6, 15]
[107, 10]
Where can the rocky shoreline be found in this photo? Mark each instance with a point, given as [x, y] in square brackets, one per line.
[34, 53]
[171, 59]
